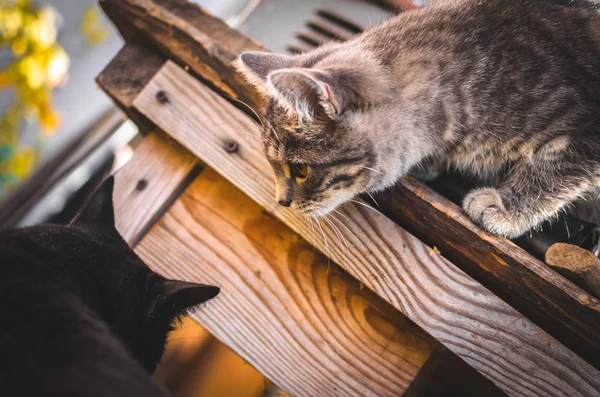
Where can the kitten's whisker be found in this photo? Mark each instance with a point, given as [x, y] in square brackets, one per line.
[366, 205]
[375, 201]
[245, 104]
[325, 240]
[312, 228]
[340, 237]
[348, 229]
[372, 169]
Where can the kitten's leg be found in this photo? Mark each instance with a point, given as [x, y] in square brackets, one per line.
[528, 197]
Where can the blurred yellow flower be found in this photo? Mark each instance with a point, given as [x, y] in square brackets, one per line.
[39, 65]
[91, 27]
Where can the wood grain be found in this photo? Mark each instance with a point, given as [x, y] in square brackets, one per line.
[576, 264]
[148, 184]
[471, 321]
[188, 35]
[304, 323]
[554, 303]
[191, 37]
[126, 75]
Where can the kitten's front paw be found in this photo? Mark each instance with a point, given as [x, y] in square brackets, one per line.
[485, 207]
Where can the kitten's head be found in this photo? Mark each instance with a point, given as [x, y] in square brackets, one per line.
[138, 304]
[317, 129]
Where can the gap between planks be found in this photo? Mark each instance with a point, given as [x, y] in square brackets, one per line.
[495, 339]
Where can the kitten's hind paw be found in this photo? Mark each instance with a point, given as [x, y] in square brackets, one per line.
[485, 207]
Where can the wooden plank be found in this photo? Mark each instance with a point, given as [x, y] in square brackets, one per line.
[301, 321]
[126, 75]
[188, 35]
[577, 264]
[567, 312]
[471, 321]
[554, 303]
[145, 187]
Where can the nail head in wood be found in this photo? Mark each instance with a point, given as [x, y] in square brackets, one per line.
[141, 185]
[162, 97]
[231, 146]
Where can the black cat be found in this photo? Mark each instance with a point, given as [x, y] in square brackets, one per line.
[81, 314]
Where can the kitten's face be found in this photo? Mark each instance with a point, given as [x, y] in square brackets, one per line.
[318, 164]
[316, 128]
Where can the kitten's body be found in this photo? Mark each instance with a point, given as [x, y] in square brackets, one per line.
[82, 315]
[507, 90]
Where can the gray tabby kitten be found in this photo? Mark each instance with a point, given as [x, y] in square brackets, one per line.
[507, 90]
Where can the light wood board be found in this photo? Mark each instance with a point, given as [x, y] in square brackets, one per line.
[304, 323]
[147, 184]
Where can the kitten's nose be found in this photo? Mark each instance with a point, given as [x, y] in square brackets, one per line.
[286, 202]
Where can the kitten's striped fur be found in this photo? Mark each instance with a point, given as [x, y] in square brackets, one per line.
[508, 90]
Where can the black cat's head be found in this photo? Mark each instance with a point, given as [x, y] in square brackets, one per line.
[138, 304]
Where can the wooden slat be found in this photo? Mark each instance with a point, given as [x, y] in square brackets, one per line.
[125, 76]
[467, 318]
[148, 184]
[301, 321]
[185, 33]
[563, 309]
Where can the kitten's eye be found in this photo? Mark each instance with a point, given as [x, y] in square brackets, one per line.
[299, 170]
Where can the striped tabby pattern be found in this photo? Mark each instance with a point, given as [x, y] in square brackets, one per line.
[506, 90]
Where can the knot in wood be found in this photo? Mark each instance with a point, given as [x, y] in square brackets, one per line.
[162, 97]
[231, 146]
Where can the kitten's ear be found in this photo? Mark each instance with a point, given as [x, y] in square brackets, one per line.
[307, 92]
[99, 207]
[178, 296]
[255, 66]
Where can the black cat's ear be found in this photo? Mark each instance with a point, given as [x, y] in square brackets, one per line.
[178, 296]
[255, 66]
[99, 207]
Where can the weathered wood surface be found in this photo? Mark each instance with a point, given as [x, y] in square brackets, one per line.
[551, 301]
[301, 321]
[567, 312]
[188, 35]
[125, 76]
[471, 321]
[148, 184]
[576, 264]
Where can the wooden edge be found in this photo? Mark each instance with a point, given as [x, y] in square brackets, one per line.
[147, 185]
[125, 76]
[577, 264]
[184, 32]
[300, 320]
[562, 308]
[428, 289]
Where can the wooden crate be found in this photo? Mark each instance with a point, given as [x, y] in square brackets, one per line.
[197, 202]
